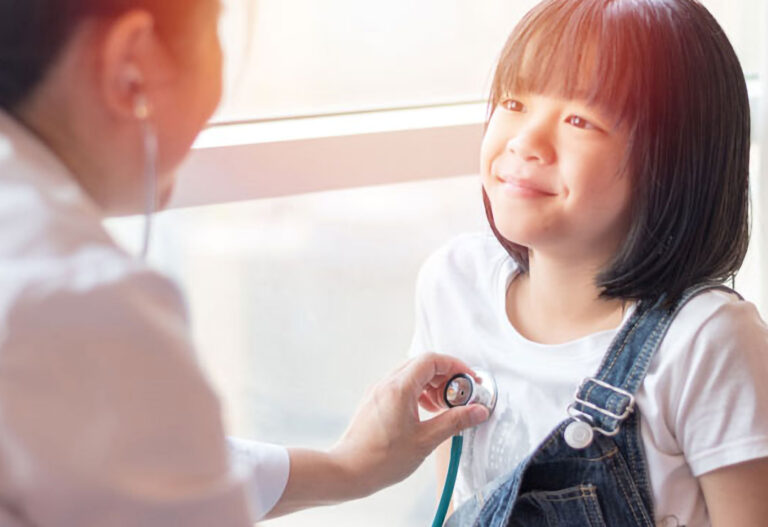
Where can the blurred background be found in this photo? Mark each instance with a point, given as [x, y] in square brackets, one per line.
[344, 153]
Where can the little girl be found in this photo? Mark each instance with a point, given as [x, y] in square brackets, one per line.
[633, 389]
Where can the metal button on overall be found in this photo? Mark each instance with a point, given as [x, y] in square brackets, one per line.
[578, 434]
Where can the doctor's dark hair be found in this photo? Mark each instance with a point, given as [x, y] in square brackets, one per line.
[34, 32]
[666, 70]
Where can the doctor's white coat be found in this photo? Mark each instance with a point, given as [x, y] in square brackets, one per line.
[105, 417]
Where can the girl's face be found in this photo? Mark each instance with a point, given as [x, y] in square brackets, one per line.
[552, 169]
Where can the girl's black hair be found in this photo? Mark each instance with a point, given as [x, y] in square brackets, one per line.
[666, 70]
[33, 32]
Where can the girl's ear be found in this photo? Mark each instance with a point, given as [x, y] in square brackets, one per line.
[127, 64]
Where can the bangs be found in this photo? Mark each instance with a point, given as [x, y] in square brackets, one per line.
[574, 50]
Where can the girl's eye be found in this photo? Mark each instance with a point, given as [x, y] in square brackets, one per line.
[512, 105]
[580, 122]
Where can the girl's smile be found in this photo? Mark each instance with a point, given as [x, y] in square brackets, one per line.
[523, 187]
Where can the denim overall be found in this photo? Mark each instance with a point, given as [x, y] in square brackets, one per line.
[599, 483]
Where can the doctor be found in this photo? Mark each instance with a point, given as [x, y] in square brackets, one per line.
[105, 418]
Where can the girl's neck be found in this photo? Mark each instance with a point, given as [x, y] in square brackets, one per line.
[558, 301]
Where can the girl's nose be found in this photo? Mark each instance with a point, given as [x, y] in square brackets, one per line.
[532, 145]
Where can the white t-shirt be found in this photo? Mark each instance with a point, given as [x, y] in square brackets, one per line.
[105, 415]
[703, 404]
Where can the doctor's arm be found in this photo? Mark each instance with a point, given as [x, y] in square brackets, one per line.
[385, 442]
[738, 494]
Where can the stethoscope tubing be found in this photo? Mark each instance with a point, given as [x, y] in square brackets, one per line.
[450, 480]
[150, 182]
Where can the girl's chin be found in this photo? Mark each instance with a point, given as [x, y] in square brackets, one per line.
[516, 238]
[520, 233]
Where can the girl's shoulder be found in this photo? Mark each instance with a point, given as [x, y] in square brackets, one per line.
[717, 314]
[468, 255]
[467, 264]
[718, 341]
[715, 329]
[708, 382]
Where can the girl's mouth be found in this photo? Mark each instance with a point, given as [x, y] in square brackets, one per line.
[523, 187]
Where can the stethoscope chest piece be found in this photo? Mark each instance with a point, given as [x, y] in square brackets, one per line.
[462, 390]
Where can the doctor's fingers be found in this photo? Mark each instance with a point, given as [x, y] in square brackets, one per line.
[431, 401]
[440, 360]
[430, 370]
[397, 371]
[435, 431]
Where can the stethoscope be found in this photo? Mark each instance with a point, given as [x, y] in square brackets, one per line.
[462, 390]
[149, 138]
[142, 111]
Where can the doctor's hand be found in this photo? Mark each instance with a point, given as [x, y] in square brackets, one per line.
[386, 441]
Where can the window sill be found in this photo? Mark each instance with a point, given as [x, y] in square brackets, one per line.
[235, 162]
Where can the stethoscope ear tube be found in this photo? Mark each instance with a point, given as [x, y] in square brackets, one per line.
[149, 140]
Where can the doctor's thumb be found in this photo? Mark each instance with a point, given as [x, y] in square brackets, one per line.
[453, 421]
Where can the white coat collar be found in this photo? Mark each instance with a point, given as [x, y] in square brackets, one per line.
[25, 159]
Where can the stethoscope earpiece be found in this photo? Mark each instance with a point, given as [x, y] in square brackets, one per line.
[133, 82]
[141, 107]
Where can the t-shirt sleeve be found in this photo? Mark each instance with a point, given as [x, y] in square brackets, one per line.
[106, 418]
[722, 411]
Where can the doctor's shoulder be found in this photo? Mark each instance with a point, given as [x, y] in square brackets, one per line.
[62, 273]
[102, 327]
[96, 289]
[99, 385]
[55, 251]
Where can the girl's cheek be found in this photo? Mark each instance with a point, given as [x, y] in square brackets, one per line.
[492, 147]
[486, 156]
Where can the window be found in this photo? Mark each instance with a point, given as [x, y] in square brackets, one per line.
[344, 55]
[307, 57]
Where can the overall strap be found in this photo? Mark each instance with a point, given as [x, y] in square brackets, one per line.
[607, 399]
